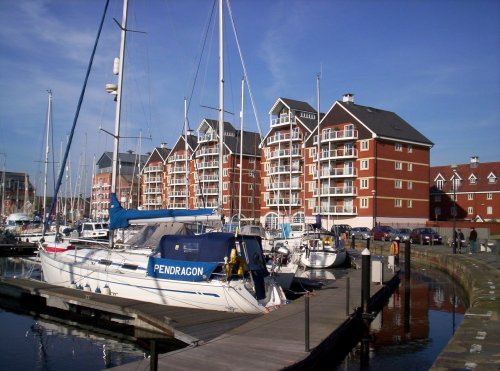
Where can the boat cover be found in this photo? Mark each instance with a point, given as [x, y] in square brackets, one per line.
[119, 217]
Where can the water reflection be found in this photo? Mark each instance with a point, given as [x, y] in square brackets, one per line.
[414, 326]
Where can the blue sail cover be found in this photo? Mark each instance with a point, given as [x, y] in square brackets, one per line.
[119, 217]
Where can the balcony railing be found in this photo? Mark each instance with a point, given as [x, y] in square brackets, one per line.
[152, 202]
[176, 158]
[178, 169]
[207, 138]
[208, 204]
[153, 179]
[282, 137]
[337, 191]
[338, 173]
[285, 153]
[150, 191]
[294, 201]
[152, 169]
[178, 181]
[339, 153]
[177, 194]
[284, 185]
[207, 152]
[208, 191]
[209, 178]
[177, 205]
[286, 169]
[208, 165]
[337, 136]
[336, 210]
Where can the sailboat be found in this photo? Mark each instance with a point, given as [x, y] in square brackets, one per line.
[216, 271]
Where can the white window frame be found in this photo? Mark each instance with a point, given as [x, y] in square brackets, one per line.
[398, 147]
[409, 166]
[250, 186]
[398, 202]
[311, 204]
[489, 196]
[410, 184]
[398, 184]
[489, 210]
[364, 183]
[225, 172]
[364, 165]
[364, 145]
[224, 186]
[398, 165]
[470, 210]
[363, 204]
[409, 204]
[439, 184]
[470, 196]
[410, 148]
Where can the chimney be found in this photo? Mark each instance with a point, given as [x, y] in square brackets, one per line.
[474, 161]
[163, 145]
[348, 98]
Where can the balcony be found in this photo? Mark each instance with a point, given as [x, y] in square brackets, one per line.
[177, 205]
[152, 179]
[178, 181]
[176, 158]
[337, 154]
[337, 191]
[178, 170]
[177, 194]
[152, 191]
[283, 137]
[282, 120]
[285, 153]
[211, 137]
[153, 169]
[286, 169]
[336, 136]
[336, 210]
[207, 152]
[274, 202]
[208, 191]
[152, 202]
[208, 165]
[209, 178]
[337, 173]
[208, 204]
[284, 186]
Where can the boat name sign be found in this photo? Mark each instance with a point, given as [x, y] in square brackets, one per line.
[179, 270]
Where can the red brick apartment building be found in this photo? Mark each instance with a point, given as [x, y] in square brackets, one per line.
[475, 188]
[373, 166]
[153, 180]
[127, 189]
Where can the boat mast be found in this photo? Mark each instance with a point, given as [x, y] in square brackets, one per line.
[319, 149]
[47, 150]
[116, 137]
[186, 152]
[241, 150]
[221, 100]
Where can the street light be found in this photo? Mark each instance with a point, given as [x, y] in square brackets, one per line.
[454, 209]
[374, 209]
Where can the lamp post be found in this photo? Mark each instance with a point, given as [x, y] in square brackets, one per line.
[454, 209]
[374, 208]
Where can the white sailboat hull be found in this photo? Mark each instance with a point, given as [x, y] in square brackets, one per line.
[97, 268]
[323, 258]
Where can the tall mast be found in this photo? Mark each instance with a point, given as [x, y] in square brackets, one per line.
[116, 140]
[221, 98]
[319, 149]
[241, 151]
[47, 150]
[186, 152]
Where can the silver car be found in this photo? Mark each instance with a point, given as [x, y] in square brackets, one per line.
[402, 233]
[361, 233]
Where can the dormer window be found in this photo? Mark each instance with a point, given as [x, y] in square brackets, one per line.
[440, 183]
[398, 147]
[492, 179]
[473, 179]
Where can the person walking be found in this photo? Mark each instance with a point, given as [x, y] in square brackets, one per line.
[473, 240]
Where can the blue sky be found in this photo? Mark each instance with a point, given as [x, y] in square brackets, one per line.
[436, 63]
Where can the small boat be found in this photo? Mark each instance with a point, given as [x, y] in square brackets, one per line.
[320, 252]
[58, 246]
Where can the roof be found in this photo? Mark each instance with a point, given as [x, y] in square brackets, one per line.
[385, 124]
[465, 171]
[296, 105]
[124, 158]
[251, 141]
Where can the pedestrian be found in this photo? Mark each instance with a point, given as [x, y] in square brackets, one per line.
[460, 240]
[473, 240]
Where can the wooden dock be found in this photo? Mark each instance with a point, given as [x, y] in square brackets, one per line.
[219, 340]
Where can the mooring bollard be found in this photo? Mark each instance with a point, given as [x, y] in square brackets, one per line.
[368, 243]
[365, 279]
[306, 329]
[353, 242]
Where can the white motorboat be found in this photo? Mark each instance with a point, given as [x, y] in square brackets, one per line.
[320, 252]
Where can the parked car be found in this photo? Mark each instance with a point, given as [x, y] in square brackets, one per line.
[342, 228]
[402, 233]
[382, 232]
[363, 233]
[425, 235]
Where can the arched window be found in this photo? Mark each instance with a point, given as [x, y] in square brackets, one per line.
[271, 221]
[298, 217]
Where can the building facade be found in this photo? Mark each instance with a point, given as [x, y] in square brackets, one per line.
[17, 194]
[368, 167]
[153, 181]
[471, 189]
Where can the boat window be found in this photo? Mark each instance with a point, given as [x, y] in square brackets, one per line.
[87, 227]
[129, 266]
[105, 262]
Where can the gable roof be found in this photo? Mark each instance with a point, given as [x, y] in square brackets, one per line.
[384, 124]
[106, 159]
[464, 172]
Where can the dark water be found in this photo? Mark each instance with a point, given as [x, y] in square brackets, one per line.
[403, 338]
[414, 326]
